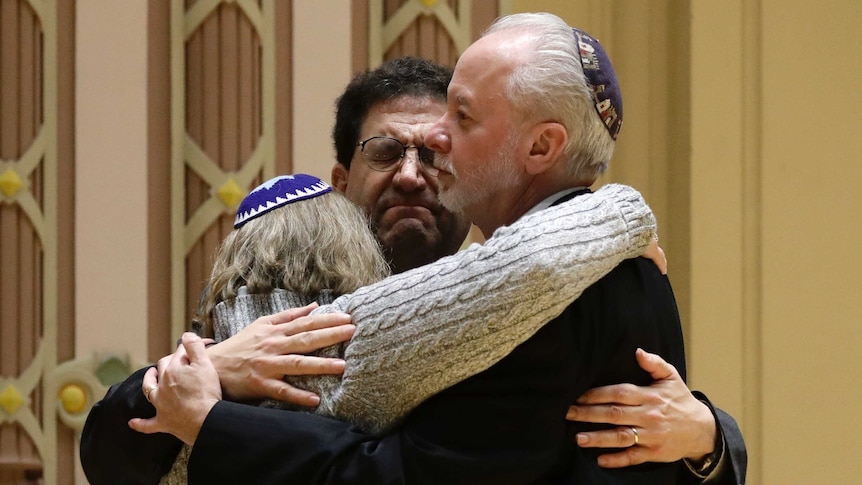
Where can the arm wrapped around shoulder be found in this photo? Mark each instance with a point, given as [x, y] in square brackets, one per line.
[424, 330]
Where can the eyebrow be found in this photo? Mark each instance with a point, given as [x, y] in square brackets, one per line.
[461, 100]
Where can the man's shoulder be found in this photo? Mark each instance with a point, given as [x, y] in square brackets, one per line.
[630, 278]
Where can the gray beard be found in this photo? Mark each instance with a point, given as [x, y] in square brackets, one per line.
[489, 179]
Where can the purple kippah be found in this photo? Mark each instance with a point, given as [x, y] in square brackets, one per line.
[277, 192]
[600, 75]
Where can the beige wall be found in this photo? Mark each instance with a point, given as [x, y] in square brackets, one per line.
[810, 182]
[769, 277]
[319, 77]
[111, 189]
[722, 124]
[775, 323]
[111, 192]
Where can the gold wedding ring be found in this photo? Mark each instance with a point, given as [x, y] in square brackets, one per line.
[153, 387]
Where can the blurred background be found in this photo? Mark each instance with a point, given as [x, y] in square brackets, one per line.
[129, 132]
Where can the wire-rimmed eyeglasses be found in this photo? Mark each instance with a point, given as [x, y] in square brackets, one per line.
[385, 154]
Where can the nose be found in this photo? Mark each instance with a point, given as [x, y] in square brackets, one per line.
[409, 175]
[437, 138]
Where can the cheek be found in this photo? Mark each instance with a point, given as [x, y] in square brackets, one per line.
[365, 187]
[469, 144]
[466, 154]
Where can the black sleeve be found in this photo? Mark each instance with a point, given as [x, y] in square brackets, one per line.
[734, 443]
[247, 444]
[503, 426]
[114, 453]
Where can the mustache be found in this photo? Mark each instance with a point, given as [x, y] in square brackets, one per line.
[444, 163]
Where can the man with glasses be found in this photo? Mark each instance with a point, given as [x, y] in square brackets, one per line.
[382, 165]
[385, 154]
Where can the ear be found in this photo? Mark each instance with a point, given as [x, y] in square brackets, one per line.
[339, 177]
[549, 139]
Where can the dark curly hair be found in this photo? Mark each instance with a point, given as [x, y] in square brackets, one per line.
[404, 76]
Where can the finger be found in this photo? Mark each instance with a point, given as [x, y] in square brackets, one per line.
[151, 378]
[315, 322]
[626, 394]
[283, 391]
[163, 363]
[180, 357]
[195, 348]
[619, 437]
[634, 455]
[604, 414]
[662, 265]
[289, 314]
[656, 254]
[150, 383]
[316, 339]
[300, 365]
[657, 367]
[146, 426]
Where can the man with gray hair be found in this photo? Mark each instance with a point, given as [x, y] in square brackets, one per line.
[532, 120]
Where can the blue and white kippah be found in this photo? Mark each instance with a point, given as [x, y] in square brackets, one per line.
[277, 192]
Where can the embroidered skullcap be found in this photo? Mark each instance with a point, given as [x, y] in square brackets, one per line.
[277, 192]
[602, 80]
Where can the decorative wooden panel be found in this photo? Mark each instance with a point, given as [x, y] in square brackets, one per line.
[28, 240]
[223, 140]
[439, 30]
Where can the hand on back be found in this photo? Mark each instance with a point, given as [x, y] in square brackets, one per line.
[669, 422]
[252, 363]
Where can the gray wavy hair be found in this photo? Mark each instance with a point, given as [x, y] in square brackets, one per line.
[315, 244]
[550, 86]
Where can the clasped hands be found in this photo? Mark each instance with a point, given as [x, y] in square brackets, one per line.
[184, 386]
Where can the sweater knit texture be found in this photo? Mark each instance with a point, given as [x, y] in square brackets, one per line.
[424, 330]
[429, 328]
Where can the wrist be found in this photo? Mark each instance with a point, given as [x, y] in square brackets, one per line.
[703, 468]
[701, 463]
[224, 365]
[708, 438]
[189, 433]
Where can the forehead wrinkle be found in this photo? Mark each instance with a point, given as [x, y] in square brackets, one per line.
[406, 118]
[487, 97]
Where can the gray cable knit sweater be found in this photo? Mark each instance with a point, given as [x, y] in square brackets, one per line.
[424, 330]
